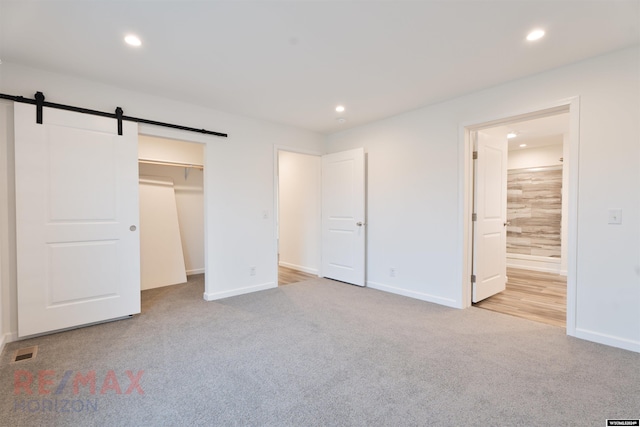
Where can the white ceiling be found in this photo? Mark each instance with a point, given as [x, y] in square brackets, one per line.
[535, 133]
[292, 62]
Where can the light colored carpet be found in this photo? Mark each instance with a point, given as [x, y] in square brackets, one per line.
[320, 353]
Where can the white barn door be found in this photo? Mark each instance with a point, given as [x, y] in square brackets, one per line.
[343, 216]
[490, 227]
[78, 247]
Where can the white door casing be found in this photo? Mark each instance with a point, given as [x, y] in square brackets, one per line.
[78, 248]
[343, 216]
[490, 232]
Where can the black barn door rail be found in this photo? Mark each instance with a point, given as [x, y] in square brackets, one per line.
[39, 102]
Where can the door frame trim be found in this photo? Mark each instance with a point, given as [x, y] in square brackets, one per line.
[465, 158]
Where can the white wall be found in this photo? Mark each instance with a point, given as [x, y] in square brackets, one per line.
[535, 157]
[238, 176]
[299, 211]
[415, 190]
[169, 150]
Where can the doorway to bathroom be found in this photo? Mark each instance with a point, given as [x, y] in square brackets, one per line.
[533, 228]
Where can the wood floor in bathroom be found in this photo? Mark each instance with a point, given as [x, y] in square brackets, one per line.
[287, 276]
[532, 295]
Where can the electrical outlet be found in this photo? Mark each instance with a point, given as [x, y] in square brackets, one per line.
[392, 272]
[252, 271]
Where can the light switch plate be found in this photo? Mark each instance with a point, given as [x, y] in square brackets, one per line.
[615, 216]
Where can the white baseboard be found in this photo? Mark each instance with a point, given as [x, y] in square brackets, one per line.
[212, 296]
[413, 294]
[299, 267]
[535, 263]
[3, 341]
[609, 340]
[7, 338]
[195, 271]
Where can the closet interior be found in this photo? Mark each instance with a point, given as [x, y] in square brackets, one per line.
[171, 183]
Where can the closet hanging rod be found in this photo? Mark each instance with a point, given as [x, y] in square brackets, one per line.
[161, 163]
[39, 102]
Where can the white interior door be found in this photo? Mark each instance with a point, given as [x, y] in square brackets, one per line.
[78, 247]
[490, 231]
[343, 216]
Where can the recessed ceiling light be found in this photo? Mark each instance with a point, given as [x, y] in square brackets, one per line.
[340, 108]
[523, 145]
[535, 35]
[132, 40]
[341, 120]
[511, 135]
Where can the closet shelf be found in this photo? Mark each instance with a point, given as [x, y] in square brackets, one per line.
[161, 163]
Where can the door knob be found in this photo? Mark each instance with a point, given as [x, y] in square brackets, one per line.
[359, 223]
[507, 223]
[132, 228]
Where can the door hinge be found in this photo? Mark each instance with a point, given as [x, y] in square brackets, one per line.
[473, 278]
[474, 217]
[475, 155]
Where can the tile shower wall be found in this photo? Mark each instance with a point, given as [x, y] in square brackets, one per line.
[534, 210]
